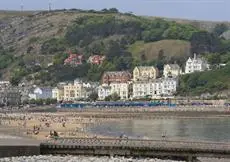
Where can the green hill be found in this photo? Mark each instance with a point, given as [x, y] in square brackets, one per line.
[30, 41]
[171, 48]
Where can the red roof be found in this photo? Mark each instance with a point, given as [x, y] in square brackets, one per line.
[96, 59]
[74, 59]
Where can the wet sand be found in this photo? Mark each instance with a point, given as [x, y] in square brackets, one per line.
[75, 123]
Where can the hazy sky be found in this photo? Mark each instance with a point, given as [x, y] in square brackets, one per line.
[192, 9]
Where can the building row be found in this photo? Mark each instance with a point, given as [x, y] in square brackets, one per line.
[162, 87]
[143, 82]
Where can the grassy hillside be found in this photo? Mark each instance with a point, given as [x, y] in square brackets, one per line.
[5, 13]
[205, 82]
[29, 41]
[177, 48]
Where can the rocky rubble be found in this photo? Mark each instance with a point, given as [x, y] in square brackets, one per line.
[77, 159]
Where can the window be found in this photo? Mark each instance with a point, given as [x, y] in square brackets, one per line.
[72, 93]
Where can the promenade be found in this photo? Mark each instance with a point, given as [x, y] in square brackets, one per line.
[183, 150]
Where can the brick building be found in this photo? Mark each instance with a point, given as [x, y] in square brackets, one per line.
[116, 77]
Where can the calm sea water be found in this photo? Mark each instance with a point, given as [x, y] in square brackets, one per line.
[215, 129]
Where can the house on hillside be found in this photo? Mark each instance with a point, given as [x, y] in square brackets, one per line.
[96, 59]
[196, 64]
[74, 59]
[116, 77]
[40, 93]
[172, 70]
[145, 73]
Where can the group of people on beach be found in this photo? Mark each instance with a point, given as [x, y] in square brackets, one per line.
[47, 125]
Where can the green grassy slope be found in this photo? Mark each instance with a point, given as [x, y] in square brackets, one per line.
[205, 82]
[151, 50]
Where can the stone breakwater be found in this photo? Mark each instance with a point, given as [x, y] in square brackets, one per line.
[78, 159]
[93, 159]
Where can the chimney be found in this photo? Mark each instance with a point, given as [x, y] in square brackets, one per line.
[194, 56]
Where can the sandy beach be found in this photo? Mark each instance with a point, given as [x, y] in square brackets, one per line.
[75, 123]
[38, 125]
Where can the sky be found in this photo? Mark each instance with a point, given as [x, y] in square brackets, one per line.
[216, 10]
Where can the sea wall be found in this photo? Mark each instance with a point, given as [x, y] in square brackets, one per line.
[12, 151]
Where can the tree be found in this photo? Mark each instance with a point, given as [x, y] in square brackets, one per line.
[113, 10]
[220, 29]
[113, 51]
[161, 56]
[32, 101]
[59, 58]
[49, 101]
[115, 97]
[39, 102]
[152, 35]
[108, 98]
[93, 96]
[14, 80]
[143, 57]
[52, 46]
[214, 58]
[204, 42]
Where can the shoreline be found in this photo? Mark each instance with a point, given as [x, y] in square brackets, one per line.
[77, 122]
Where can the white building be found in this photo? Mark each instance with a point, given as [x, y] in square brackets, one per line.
[169, 86]
[55, 93]
[104, 91]
[122, 89]
[172, 70]
[155, 89]
[196, 64]
[41, 93]
[142, 89]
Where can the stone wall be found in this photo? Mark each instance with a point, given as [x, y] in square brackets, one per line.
[11, 151]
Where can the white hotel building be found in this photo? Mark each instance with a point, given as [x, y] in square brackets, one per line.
[121, 89]
[155, 88]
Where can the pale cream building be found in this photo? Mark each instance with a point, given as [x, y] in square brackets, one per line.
[58, 92]
[73, 91]
[172, 70]
[145, 73]
[60, 95]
